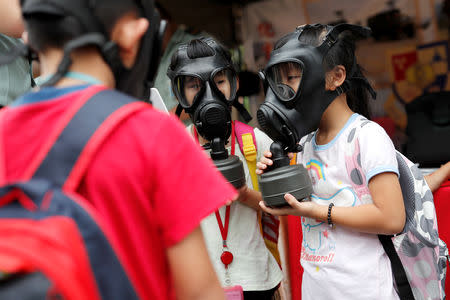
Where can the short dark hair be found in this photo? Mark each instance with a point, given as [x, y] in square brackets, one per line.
[47, 31]
[202, 47]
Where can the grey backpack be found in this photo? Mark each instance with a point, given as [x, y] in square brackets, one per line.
[418, 256]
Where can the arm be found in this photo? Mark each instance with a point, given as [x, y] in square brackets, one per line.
[385, 216]
[250, 198]
[192, 272]
[11, 17]
[435, 179]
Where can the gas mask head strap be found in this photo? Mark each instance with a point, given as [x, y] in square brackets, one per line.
[331, 38]
[95, 35]
[333, 34]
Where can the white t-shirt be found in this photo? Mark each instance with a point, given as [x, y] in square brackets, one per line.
[253, 267]
[340, 263]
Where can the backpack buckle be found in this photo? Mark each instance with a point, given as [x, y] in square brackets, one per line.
[248, 147]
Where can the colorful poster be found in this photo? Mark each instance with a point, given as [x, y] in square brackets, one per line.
[415, 71]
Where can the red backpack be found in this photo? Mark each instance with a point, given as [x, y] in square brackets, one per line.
[52, 243]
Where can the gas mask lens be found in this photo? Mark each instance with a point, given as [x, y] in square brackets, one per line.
[284, 79]
[188, 88]
[225, 82]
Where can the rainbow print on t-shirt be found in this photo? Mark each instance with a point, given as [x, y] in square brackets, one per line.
[316, 169]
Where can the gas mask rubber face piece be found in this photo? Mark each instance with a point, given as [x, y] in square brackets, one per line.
[296, 97]
[135, 81]
[206, 89]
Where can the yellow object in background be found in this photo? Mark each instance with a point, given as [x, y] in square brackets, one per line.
[420, 75]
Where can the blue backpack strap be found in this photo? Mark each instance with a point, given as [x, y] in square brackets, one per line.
[105, 109]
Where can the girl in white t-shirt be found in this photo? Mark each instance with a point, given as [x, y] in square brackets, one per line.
[202, 76]
[356, 191]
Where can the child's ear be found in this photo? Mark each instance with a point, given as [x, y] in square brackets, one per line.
[335, 78]
[237, 84]
[127, 33]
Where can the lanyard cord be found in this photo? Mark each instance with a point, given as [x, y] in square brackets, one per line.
[223, 228]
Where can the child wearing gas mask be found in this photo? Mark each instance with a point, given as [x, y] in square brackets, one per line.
[205, 84]
[356, 191]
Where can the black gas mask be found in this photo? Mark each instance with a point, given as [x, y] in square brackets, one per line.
[135, 81]
[206, 89]
[296, 98]
[295, 79]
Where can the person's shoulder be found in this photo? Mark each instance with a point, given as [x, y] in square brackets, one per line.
[367, 127]
[259, 133]
[371, 135]
[263, 141]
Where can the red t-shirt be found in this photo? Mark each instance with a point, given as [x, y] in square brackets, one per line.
[151, 183]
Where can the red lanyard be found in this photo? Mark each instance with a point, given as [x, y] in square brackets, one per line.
[227, 256]
[224, 229]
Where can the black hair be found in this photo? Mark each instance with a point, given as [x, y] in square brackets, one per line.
[202, 47]
[47, 31]
[341, 53]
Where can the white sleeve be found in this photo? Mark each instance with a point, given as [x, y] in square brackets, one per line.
[378, 154]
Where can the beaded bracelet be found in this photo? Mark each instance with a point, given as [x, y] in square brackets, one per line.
[330, 206]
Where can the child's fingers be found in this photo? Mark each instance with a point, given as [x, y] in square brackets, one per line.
[267, 153]
[266, 161]
[275, 211]
[291, 200]
[260, 165]
[260, 168]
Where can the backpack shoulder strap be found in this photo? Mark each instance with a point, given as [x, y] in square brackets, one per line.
[66, 161]
[247, 143]
[242, 129]
[269, 225]
[399, 273]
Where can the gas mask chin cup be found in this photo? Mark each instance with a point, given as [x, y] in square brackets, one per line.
[212, 118]
[276, 124]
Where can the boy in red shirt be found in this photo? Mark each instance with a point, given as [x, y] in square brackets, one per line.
[140, 179]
